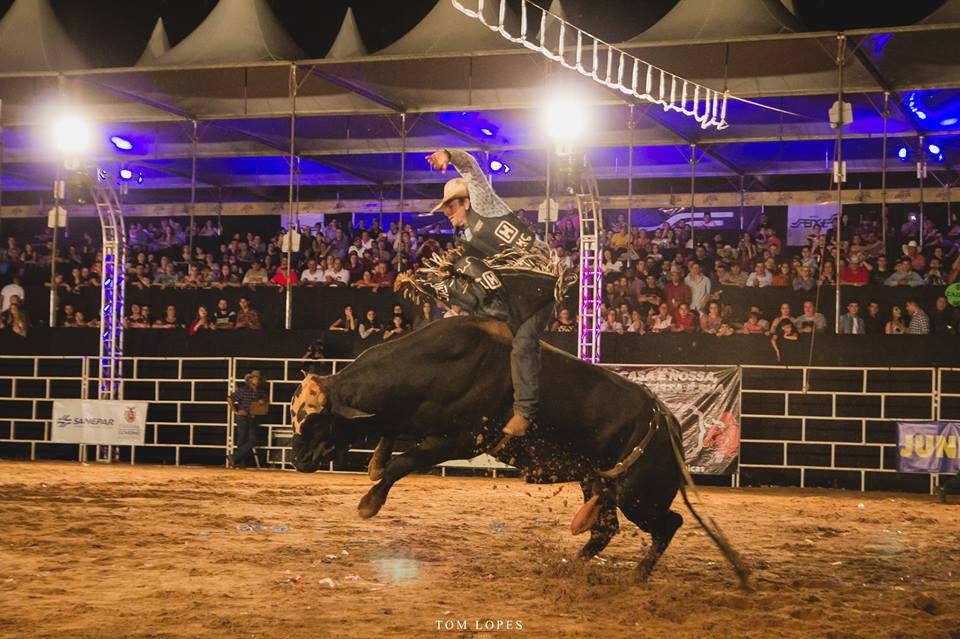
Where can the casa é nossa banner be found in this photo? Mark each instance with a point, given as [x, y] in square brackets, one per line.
[706, 401]
[928, 447]
[98, 421]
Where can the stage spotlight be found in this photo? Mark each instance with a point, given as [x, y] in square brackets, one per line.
[71, 134]
[506, 169]
[940, 157]
[139, 177]
[121, 143]
[487, 132]
[948, 122]
[934, 149]
[126, 174]
[495, 165]
[902, 154]
[566, 119]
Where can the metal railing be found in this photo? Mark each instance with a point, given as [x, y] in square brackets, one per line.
[806, 426]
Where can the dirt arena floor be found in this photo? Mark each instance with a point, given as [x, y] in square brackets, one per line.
[120, 551]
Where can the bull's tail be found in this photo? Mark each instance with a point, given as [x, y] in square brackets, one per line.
[711, 527]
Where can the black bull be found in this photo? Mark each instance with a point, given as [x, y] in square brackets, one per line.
[448, 388]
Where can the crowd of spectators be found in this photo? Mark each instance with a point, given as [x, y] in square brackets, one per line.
[672, 280]
[669, 279]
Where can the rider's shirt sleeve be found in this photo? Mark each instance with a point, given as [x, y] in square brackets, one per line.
[483, 200]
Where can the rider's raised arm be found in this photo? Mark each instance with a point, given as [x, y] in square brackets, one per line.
[483, 200]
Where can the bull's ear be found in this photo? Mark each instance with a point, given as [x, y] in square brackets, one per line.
[351, 413]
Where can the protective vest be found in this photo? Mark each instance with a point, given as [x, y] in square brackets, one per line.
[488, 236]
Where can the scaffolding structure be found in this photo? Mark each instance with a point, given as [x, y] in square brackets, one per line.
[111, 290]
[591, 266]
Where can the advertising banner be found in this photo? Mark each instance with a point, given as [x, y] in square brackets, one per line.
[928, 447]
[801, 218]
[93, 421]
[706, 401]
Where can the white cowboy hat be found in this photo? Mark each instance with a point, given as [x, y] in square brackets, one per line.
[457, 187]
[910, 244]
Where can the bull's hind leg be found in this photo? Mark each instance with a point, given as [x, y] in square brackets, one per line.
[662, 528]
[645, 499]
[427, 453]
[606, 526]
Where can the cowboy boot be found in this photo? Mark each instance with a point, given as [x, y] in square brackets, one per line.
[517, 426]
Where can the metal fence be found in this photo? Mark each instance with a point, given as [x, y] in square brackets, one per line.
[801, 426]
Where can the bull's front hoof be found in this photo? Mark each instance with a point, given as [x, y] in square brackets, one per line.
[586, 517]
[375, 469]
[370, 505]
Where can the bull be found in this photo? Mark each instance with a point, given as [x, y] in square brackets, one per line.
[447, 388]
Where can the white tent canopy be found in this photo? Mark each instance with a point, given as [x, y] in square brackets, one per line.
[348, 44]
[235, 31]
[692, 19]
[948, 12]
[158, 45]
[445, 29]
[32, 39]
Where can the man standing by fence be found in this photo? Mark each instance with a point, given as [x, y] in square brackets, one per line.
[247, 403]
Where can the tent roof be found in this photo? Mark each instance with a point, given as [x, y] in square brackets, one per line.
[157, 45]
[949, 11]
[31, 39]
[348, 43]
[691, 19]
[446, 29]
[235, 31]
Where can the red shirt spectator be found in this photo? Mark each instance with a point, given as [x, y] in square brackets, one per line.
[854, 273]
[675, 292]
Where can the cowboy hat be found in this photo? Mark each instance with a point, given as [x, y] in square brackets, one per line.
[457, 187]
[251, 375]
[910, 244]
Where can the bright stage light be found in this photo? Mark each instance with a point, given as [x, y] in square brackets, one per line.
[487, 132]
[566, 119]
[495, 165]
[902, 154]
[126, 174]
[71, 134]
[934, 149]
[949, 121]
[506, 169]
[121, 143]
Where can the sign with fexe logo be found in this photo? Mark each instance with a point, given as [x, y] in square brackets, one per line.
[95, 421]
[801, 218]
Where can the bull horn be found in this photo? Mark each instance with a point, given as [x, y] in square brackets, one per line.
[352, 413]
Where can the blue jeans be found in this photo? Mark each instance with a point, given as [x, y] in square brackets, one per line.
[525, 363]
[244, 438]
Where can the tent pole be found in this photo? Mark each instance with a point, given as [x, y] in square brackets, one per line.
[546, 220]
[59, 190]
[631, 125]
[292, 92]
[741, 202]
[838, 175]
[921, 174]
[193, 182]
[883, 173]
[693, 191]
[403, 163]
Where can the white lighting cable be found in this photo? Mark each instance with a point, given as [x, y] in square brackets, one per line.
[614, 68]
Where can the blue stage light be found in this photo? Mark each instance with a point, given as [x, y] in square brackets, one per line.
[495, 165]
[121, 143]
[506, 169]
[934, 149]
[126, 174]
[921, 115]
[940, 157]
[948, 122]
[140, 177]
[487, 132]
[902, 154]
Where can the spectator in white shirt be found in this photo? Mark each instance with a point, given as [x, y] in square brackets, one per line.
[760, 276]
[699, 288]
[312, 274]
[335, 274]
[7, 293]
